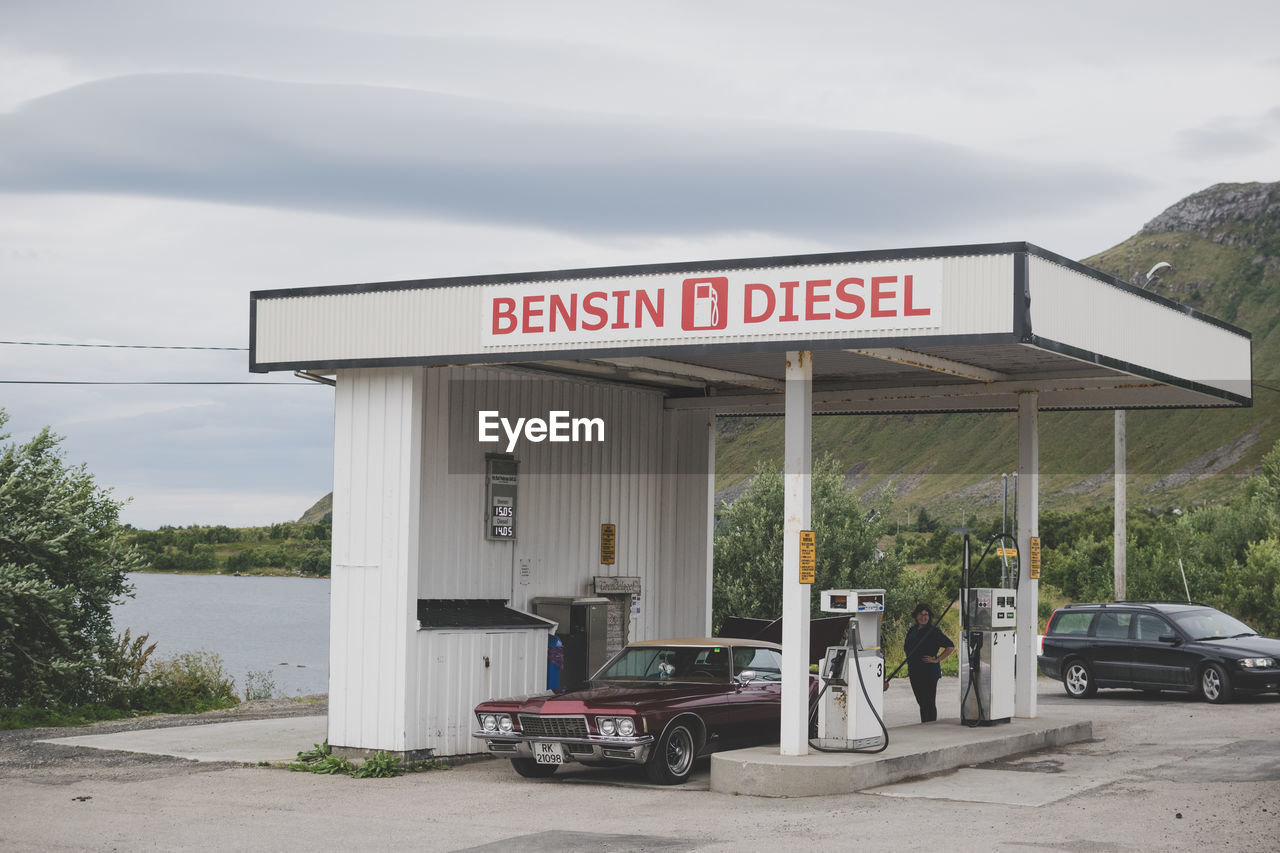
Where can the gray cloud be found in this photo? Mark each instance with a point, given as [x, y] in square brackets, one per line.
[381, 151]
[1222, 141]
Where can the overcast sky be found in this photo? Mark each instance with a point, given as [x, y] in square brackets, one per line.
[160, 159]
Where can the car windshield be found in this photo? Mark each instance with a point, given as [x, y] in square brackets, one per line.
[669, 663]
[1211, 624]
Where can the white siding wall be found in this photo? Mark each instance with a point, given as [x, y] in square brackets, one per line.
[566, 491]
[409, 524]
[681, 606]
[376, 488]
[455, 679]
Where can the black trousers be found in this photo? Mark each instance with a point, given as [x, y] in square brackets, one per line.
[925, 686]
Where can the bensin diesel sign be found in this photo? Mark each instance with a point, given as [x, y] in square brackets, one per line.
[785, 302]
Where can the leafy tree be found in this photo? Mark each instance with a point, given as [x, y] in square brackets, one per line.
[1253, 590]
[747, 572]
[1081, 569]
[61, 568]
[926, 523]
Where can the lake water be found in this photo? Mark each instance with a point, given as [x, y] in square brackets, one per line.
[276, 626]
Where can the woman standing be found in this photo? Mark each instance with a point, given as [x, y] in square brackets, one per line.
[924, 660]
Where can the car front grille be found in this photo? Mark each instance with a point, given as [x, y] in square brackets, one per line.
[536, 725]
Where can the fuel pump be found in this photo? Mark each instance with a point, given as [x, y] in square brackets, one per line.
[987, 642]
[851, 704]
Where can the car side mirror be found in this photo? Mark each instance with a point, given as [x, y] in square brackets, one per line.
[746, 676]
[1170, 638]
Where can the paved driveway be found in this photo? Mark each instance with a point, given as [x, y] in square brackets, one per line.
[1163, 773]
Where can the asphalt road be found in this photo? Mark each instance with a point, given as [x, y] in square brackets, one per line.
[1162, 773]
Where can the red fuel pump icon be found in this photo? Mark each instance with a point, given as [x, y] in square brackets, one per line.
[705, 304]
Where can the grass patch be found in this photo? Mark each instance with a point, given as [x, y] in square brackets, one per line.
[380, 765]
[60, 716]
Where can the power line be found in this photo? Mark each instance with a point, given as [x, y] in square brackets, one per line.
[116, 346]
[158, 382]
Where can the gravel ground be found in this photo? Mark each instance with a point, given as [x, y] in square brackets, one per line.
[1162, 772]
[22, 757]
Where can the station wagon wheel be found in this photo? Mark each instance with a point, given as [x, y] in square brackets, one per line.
[671, 761]
[1078, 680]
[1215, 684]
[531, 769]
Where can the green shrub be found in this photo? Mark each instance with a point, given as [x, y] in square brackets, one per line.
[259, 685]
[59, 715]
[124, 669]
[380, 765]
[186, 683]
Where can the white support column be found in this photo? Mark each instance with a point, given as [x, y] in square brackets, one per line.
[796, 597]
[1121, 508]
[1024, 700]
[377, 493]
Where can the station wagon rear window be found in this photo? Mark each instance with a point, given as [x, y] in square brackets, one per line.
[1072, 624]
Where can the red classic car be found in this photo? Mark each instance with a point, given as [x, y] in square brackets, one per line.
[659, 703]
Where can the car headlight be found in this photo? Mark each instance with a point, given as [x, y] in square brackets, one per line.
[619, 726]
[496, 722]
[1258, 663]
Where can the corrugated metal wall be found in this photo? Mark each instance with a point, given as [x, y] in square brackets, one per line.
[977, 295]
[455, 678]
[373, 594]
[409, 523]
[566, 491]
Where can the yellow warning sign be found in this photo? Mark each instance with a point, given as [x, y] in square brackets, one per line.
[808, 556]
[1002, 551]
[1033, 569]
[608, 540]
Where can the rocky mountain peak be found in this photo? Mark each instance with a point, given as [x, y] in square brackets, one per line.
[1207, 211]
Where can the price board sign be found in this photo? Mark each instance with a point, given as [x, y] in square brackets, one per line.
[808, 556]
[500, 496]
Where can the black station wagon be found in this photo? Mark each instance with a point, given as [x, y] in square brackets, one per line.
[1150, 646]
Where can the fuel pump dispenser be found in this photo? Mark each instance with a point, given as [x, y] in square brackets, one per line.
[988, 618]
[851, 705]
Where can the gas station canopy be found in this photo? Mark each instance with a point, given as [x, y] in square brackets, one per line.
[660, 350]
[958, 328]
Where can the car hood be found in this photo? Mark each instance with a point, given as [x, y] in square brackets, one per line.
[1246, 646]
[607, 697]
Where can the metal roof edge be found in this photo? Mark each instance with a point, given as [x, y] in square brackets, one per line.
[503, 359]
[1107, 278]
[869, 255]
[1139, 370]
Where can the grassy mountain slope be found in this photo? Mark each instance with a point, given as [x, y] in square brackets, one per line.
[1224, 245]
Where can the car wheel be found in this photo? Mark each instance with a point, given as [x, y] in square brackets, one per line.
[1215, 685]
[671, 761]
[531, 769]
[1078, 680]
